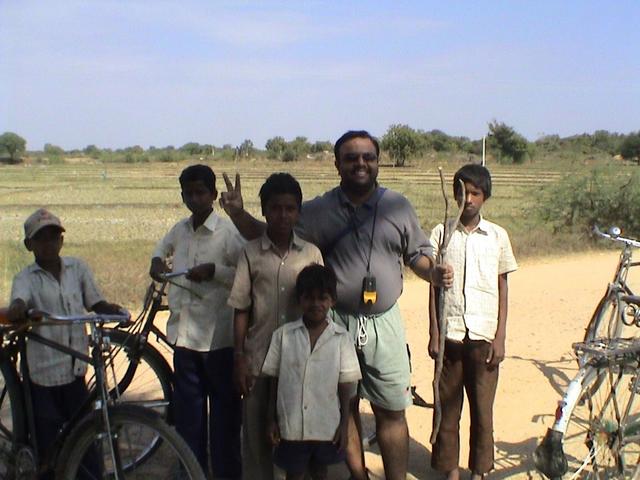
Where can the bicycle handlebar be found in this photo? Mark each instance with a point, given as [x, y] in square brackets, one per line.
[125, 317]
[614, 236]
[169, 275]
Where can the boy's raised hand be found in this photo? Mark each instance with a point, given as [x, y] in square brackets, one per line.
[231, 200]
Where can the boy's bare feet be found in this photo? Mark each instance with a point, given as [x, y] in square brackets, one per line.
[477, 476]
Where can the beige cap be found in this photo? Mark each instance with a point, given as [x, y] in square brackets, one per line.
[38, 220]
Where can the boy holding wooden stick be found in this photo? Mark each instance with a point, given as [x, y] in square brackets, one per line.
[475, 312]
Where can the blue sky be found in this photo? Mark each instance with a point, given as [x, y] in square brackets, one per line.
[121, 73]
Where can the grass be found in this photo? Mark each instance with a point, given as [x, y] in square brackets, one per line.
[114, 214]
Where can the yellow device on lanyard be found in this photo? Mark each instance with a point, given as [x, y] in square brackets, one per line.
[369, 294]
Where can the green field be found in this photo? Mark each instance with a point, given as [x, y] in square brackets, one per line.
[115, 213]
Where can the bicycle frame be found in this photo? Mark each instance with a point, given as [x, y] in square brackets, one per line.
[15, 345]
[140, 331]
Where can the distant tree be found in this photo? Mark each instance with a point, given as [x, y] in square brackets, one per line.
[319, 147]
[402, 142]
[13, 144]
[300, 146]
[135, 149]
[206, 149]
[438, 141]
[508, 142]
[289, 155]
[630, 147]
[191, 148]
[246, 148]
[53, 150]
[275, 147]
[91, 151]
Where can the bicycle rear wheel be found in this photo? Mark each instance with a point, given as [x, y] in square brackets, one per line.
[90, 453]
[607, 319]
[12, 419]
[602, 438]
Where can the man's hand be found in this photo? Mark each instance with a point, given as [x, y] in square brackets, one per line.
[496, 352]
[17, 311]
[442, 275]
[434, 345]
[341, 436]
[158, 267]
[242, 379]
[231, 200]
[201, 273]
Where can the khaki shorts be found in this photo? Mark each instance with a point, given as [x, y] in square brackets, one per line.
[384, 363]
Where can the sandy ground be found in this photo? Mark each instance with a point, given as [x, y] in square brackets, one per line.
[550, 302]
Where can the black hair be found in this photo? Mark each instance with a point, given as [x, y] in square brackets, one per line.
[474, 174]
[354, 134]
[202, 173]
[279, 183]
[316, 277]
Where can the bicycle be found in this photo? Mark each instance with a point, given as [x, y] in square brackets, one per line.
[612, 313]
[596, 433]
[143, 375]
[114, 436]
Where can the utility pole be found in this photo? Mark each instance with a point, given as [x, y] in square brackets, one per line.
[484, 150]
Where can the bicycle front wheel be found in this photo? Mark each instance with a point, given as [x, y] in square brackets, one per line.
[142, 375]
[92, 451]
[602, 437]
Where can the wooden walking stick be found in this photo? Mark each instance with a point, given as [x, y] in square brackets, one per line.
[449, 226]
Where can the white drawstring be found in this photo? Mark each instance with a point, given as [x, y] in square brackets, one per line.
[362, 336]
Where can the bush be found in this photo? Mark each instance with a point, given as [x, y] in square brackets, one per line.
[603, 197]
[289, 155]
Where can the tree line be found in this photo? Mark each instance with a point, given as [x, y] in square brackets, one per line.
[400, 142]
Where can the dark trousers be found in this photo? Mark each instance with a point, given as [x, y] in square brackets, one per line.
[207, 406]
[53, 407]
[465, 369]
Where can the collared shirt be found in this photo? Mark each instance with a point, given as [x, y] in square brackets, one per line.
[478, 258]
[308, 404]
[397, 239]
[200, 318]
[74, 294]
[265, 283]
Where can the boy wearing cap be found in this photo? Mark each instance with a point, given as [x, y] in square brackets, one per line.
[60, 286]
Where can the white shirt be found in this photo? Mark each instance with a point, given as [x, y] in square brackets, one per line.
[308, 404]
[200, 318]
[478, 258]
[75, 294]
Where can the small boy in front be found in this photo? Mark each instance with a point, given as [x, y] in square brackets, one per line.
[60, 286]
[475, 309]
[205, 403]
[263, 298]
[316, 369]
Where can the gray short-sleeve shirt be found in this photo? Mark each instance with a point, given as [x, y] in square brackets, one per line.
[398, 240]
